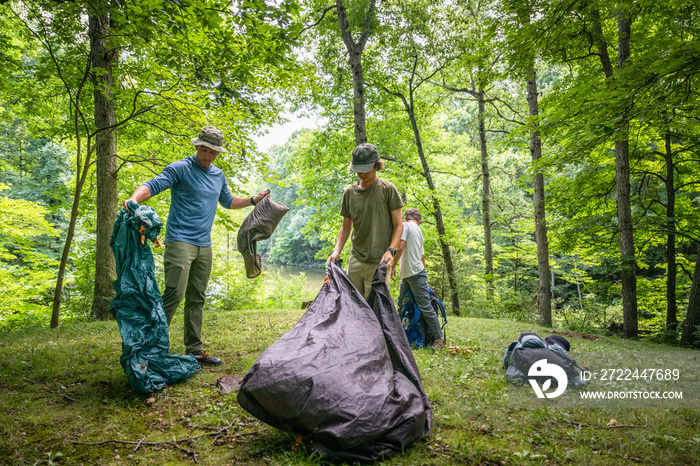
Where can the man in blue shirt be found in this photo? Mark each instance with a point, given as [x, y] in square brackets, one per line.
[195, 188]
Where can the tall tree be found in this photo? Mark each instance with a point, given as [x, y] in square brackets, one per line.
[355, 49]
[522, 40]
[692, 318]
[413, 82]
[671, 267]
[480, 96]
[625, 228]
[103, 58]
[477, 66]
[544, 288]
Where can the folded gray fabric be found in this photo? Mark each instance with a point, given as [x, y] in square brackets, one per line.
[257, 226]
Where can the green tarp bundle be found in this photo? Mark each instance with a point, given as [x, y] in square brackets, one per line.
[138, 306]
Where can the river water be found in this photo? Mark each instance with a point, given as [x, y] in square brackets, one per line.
[314, 277]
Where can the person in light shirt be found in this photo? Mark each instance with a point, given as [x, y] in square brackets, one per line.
[411, 256]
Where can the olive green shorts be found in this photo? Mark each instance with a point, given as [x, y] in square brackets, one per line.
[361, 275]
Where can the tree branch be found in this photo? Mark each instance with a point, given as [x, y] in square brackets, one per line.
[323, 15]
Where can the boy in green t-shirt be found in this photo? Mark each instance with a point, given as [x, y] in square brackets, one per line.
[371, 209]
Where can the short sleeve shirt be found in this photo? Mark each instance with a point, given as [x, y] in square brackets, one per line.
[411, 259]
[370, 210]
[194, 193]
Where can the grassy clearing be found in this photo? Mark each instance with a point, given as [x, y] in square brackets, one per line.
[65, 386]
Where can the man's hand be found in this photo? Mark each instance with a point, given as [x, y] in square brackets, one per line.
[125, 203]
[393, 272]
[142, 194]
[261, 195]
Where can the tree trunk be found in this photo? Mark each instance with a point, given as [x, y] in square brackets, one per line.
[671, 304]
[106, 163]
[80, 176]
[624, 207]
[692, 318]
[358, 101]
[486, 195]
[437, 210]
[622, 175]
[447, 257]
[355, 50]
[544, 289]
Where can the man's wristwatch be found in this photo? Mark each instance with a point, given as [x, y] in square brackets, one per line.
[392, 251]
[252, 200]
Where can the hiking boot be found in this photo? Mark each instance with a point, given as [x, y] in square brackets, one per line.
[205, 360]
[438, 344]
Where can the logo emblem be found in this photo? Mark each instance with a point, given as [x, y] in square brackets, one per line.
[543, 369]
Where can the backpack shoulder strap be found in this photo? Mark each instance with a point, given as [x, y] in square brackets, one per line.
[416, 314]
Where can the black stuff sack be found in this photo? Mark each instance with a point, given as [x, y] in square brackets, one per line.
[258, 226]
[343, 377]
[138, 306]
[521, 355]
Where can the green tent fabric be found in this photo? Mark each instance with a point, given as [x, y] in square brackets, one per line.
[138, 306]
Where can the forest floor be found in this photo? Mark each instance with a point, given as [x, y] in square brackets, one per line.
[64, 399]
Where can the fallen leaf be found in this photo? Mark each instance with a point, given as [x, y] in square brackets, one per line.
[150, 401]
[459, 350]
[612, 422]
[229, 383]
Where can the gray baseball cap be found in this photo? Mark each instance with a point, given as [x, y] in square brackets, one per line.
[363, 158]
[211, 137]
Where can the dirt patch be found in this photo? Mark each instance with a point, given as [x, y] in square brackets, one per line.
[585, 336]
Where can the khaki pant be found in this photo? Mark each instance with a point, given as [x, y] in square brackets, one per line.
[187, 270]
[361, 275]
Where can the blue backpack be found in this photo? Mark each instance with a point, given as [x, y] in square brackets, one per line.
[413, 322]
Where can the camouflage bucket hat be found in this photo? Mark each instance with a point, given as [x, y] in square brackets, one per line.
[363, 158]
[211, 137]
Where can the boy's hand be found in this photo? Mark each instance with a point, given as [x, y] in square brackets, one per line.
[334, 257]
[388, 257]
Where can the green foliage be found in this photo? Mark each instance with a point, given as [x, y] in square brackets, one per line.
[177, 67]
[183, 65]
[80, 282]
[26, 274]
[290, 244]
[231, 289]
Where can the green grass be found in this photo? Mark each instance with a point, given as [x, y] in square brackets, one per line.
[62, 386]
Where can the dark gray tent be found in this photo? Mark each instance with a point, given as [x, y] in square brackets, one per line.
[343, 377]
